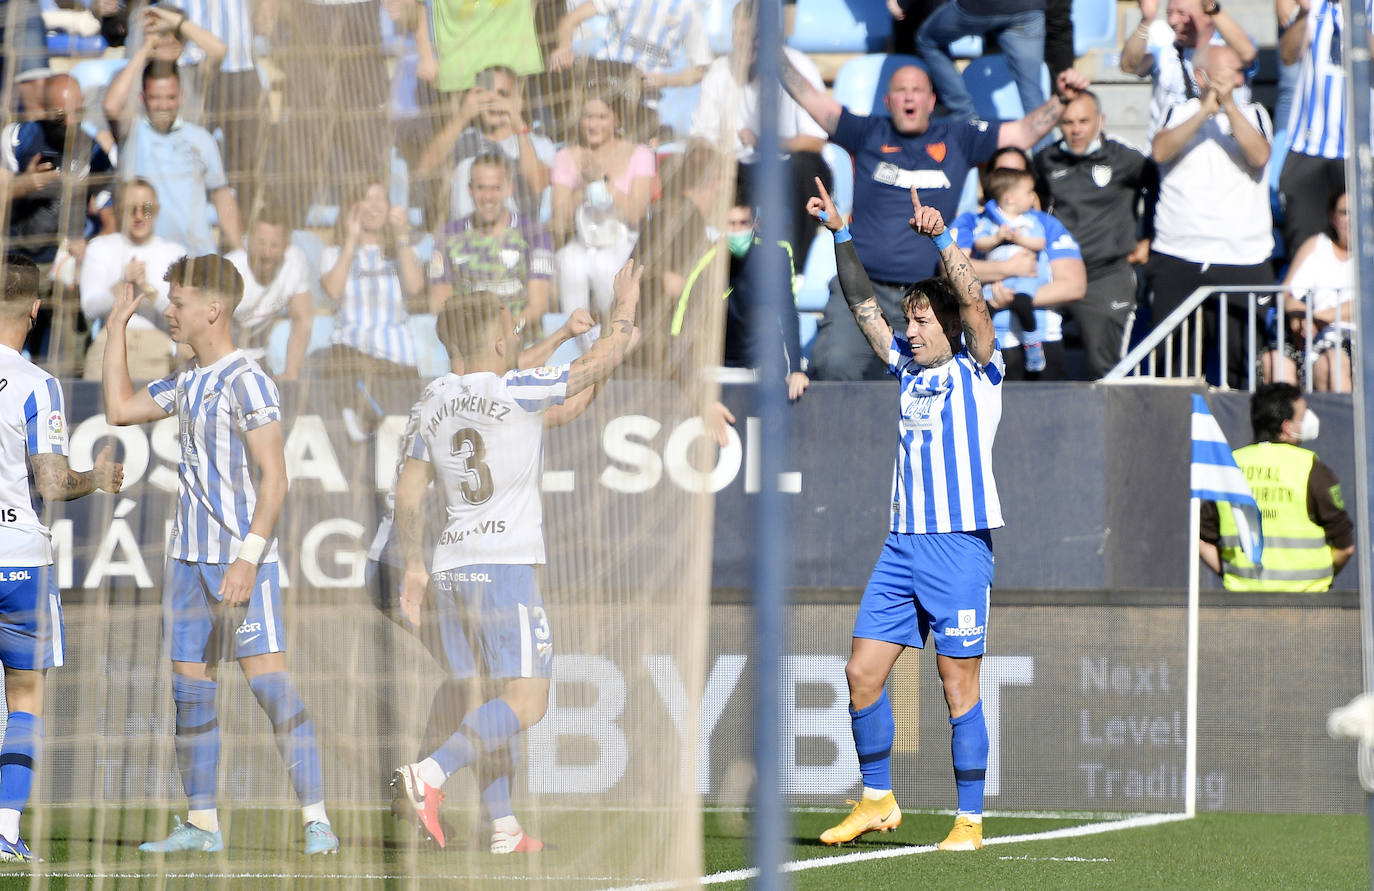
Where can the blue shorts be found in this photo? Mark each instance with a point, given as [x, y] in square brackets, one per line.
[200, 628]
[30, 618]
[491, 620]
[937, 582]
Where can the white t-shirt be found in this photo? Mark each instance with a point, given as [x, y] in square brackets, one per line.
[264, 304]
[1324, 280]
[103, 269]
[727, 106]
[483, 435]
[32, 422]
[1170, 88]
[1213, 207]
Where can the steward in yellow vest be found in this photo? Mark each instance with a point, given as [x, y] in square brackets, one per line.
[1308, 536]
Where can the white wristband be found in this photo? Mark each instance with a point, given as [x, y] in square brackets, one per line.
[252, 548]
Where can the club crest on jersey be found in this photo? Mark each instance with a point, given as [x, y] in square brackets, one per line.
[937, 151]
[57, 427]
[510, 257]
[1102, 174]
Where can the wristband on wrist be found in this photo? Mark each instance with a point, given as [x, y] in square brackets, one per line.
[842, 235]
[252, 548]
[943, 240]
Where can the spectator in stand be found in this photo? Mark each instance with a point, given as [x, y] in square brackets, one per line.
[727, 114]
[37, 154]
[893, 155]
[1026, 310]
[276, 284]
[167, 35]
[1097, 187]
[26, 55]
[1169, 65]
[182, 162]
[1212, 221]
[494, 249]
[138, 256]
[651, 35]
[491, 118]
[602, 185]
[1315, 166]
[1020, 29]
[372, 273]
[470, 37]
[413, 109]
[1059, 55]
[1322, 275]
[907, 17]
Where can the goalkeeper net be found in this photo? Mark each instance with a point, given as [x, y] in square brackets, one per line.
[374, 166]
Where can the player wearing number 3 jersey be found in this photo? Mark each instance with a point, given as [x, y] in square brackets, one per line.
[480, 435]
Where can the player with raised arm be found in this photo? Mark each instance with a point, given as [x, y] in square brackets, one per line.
[221, 588]
[935, 571]
[33, 469]
[481, 437]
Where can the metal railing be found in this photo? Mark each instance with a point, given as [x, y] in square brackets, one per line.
[1175, 349]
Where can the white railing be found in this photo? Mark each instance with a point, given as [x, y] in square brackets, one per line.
[1175, 350]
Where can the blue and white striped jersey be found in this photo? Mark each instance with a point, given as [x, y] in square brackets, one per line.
[942, 480]
[230, 21]
[372, 311]
[650, 34]
[32, 422]
[1317, 122]
[484, 437]
[215, 405]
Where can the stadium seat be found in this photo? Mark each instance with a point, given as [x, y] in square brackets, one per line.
[808, 322]
[862, 82]
[320, 332]
[718, 15]
[431, 357]
[96, 74]
[313, 246]
[840, 26]
[1094, 26]
[993, 91]
[841, 176]
[970, 47]
[568, 350]
[820, 269]
[675, 107]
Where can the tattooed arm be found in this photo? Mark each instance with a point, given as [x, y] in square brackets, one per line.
[410, 526]
[1027, 131]
[54, 479]
[854, 281]
[973, 309]
[818, 103]
[595, 365]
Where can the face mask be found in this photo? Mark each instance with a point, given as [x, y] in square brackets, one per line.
[740, 242]
[1310, 427]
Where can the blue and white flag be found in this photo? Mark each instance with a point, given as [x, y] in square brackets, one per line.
[1215, 476]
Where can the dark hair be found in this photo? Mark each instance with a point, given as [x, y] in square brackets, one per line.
[699, 164]
[1331, 202]
[21, 281]
[492, 159]
[157, 69]
[357, 192]
[1002, 180]
[465, 319]
[208, 272]
[1271, 405]
[744, 195]
[995, 162]
[613, 101]
[939, 295]
[271, 211]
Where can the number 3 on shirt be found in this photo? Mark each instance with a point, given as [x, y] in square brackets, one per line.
[467, 446]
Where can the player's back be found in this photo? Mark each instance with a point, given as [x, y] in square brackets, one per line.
[31, 422]
[483, 436]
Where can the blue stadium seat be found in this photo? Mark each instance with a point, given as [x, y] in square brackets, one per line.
[841, 176]
[808, 322]
[993, 91]
[432, 357]
[970, 47]
[1094, 26]
[320, 332]
[862, 82]
[96, 74]
[820, 269]
[313, 246]
[675, 107]
[718, 15]
[840, 26]
[568, 350]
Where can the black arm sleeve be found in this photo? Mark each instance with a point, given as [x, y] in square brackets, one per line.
[1326, 507]
[854, 280]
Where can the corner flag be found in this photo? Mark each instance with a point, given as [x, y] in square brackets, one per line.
[1215, 476]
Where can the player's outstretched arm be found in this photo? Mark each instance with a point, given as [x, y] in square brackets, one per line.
[973, 309]
[595, 365]
[579, 321]
[123, 405]
[854, 281]
[54, 479]
[410, 526]
[269, 459]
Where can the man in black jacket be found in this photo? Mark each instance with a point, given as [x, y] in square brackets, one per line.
[1104, 191]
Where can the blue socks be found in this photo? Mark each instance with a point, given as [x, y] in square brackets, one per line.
[494, 771]
[23, 746]
[294, 732]
[197, 739]
[970, 750]
[873, 734]
[489, 725]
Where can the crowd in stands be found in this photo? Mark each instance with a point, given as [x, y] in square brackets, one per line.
[366, 160]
